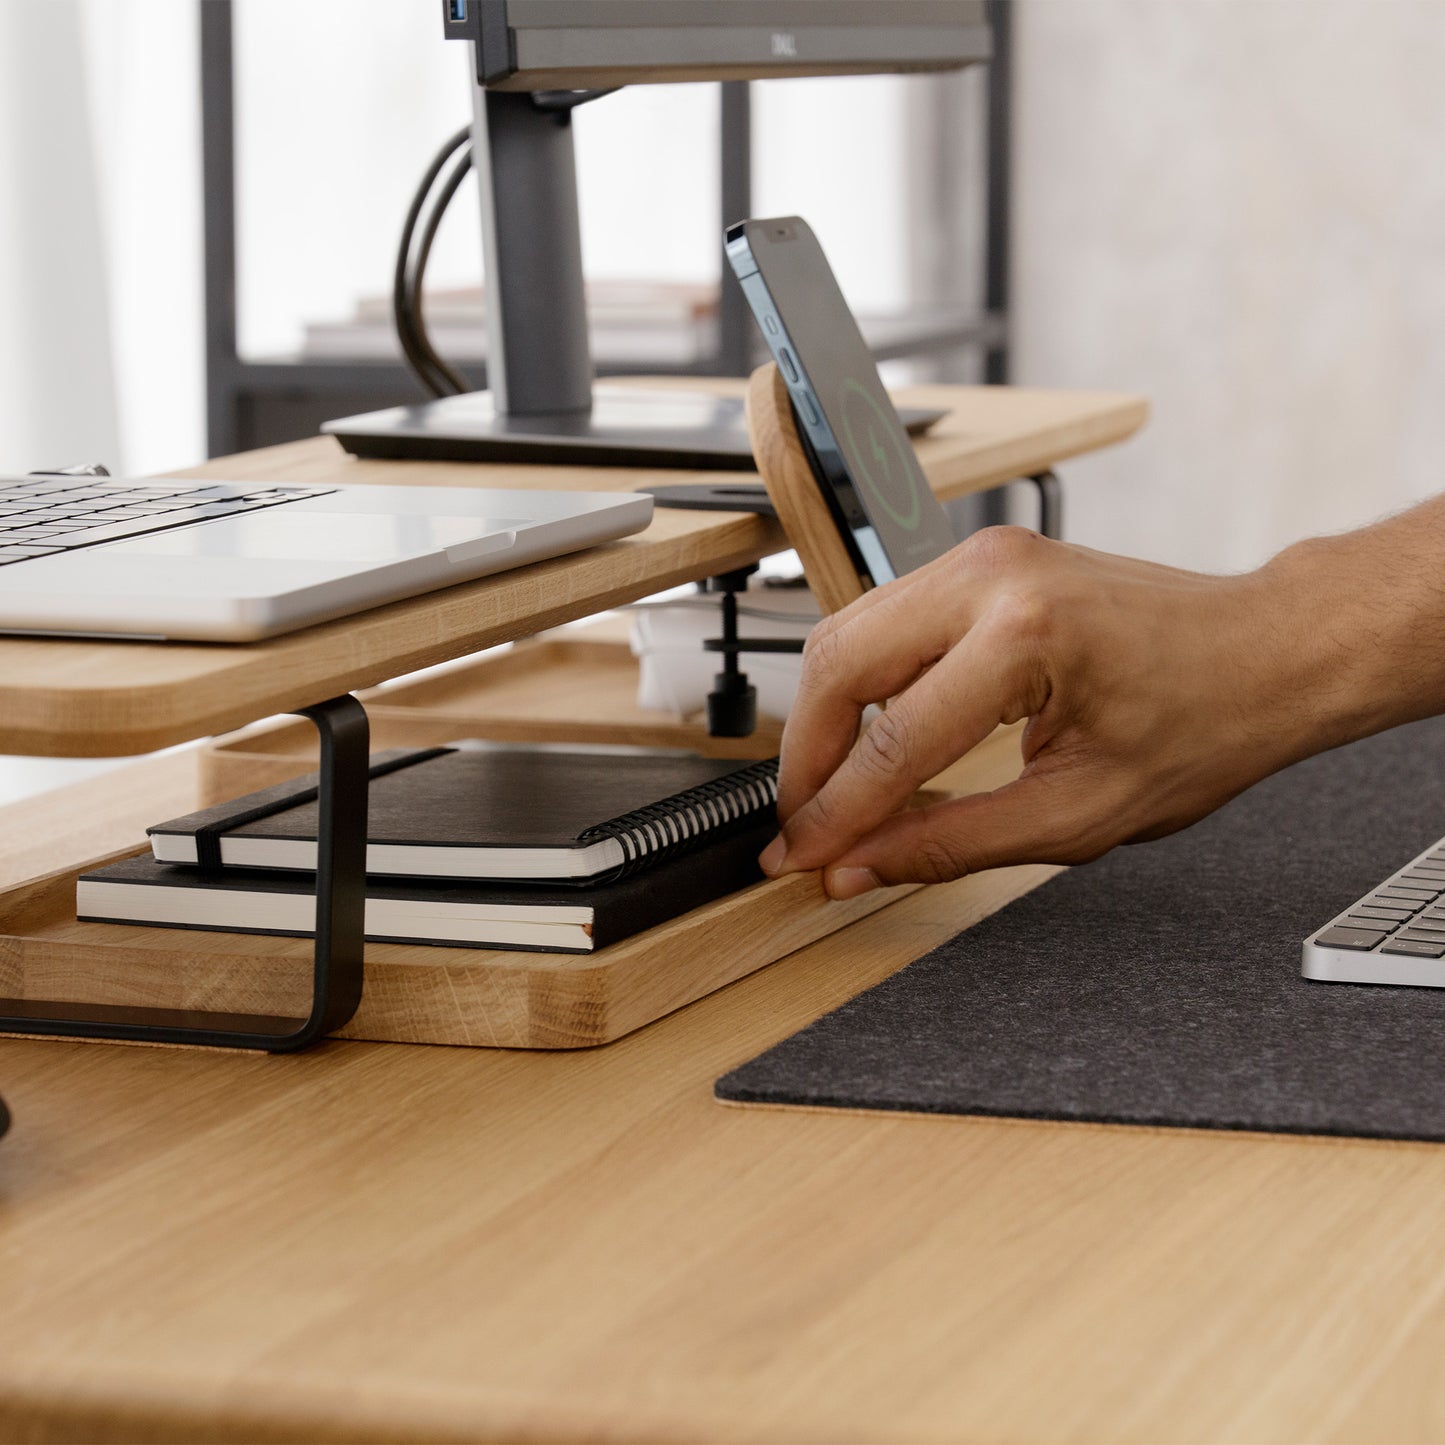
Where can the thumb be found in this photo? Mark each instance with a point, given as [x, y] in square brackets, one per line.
[1031, 820]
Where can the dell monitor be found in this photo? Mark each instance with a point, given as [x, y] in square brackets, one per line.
[534, 60]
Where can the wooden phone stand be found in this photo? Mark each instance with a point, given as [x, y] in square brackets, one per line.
[795, 494]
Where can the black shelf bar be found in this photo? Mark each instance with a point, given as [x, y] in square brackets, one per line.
[337, 954]
[218, 172]
[997, 189]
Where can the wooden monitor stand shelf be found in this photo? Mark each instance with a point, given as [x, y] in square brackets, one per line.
[85, 698]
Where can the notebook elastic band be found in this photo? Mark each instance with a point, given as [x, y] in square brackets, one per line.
[208, 835]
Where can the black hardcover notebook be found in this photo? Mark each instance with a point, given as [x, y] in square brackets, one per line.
[472, 915]
[493, 813]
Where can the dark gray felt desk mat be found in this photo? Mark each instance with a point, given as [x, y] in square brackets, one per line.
[1161, 984]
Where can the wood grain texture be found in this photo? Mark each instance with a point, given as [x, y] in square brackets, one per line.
[373, 1242]
[493, 998]
[109, 699]
[562, 688]
[96, 816]
[795, 493]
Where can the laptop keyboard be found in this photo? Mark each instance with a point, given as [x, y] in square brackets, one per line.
[43, 515]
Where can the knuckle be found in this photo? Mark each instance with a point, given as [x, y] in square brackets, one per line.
[938, 860]
[821, 817]
[822, 649]
[998, 548]
[884, 748]
[1025, 614]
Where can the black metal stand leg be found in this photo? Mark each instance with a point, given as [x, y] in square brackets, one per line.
[340, 916]
[1051, 504]
[732, 705]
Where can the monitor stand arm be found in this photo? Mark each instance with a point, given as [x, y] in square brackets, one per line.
[541, 406]
[538, 361]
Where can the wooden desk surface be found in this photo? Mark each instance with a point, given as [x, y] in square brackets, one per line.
[378, 1242]
[110, 698]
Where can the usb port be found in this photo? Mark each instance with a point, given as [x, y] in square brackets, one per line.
[457, 12]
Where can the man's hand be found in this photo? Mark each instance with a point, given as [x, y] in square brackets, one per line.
[1152, 696]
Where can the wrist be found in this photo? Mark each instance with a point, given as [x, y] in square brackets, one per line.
[1342, 642]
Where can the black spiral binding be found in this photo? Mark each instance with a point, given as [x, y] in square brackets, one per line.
[710, 810]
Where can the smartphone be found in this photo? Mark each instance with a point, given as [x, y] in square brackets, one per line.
[861, 455]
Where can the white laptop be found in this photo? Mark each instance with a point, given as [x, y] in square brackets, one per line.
[85, 555]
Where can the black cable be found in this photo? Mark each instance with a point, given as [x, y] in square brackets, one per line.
[417, 278]
[439, 376]
[431, 377]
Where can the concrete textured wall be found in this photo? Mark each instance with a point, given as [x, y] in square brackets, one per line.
[1237, 207]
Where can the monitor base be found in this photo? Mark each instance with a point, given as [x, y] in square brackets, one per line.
[627, 427]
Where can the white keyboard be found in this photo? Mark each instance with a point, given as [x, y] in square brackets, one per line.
[1394, 934]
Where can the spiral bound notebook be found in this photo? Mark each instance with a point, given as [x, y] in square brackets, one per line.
[479, 812]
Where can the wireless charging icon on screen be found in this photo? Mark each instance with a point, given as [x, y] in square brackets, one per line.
[875, 441]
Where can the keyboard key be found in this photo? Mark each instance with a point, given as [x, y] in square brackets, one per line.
[1384, 911]
[1418, 935]
[1417, 880]
[23, 554]
[1436, 930]
[1363, 920]
[61, 514]
[1420, 950]
[1361, 938]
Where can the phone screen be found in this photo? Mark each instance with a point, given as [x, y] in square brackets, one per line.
[867, 462]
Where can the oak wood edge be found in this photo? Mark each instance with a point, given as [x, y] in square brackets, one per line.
[1115, 418]
[795, 492]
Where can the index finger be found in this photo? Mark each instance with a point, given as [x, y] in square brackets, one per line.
[980, 683]
[869, 652]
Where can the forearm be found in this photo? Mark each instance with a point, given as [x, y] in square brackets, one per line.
[1361, 639]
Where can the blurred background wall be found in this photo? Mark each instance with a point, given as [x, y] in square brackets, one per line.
[1237, 208]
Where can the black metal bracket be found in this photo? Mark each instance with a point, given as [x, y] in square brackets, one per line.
[753, 497]
[732, 705]
[340, 916]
